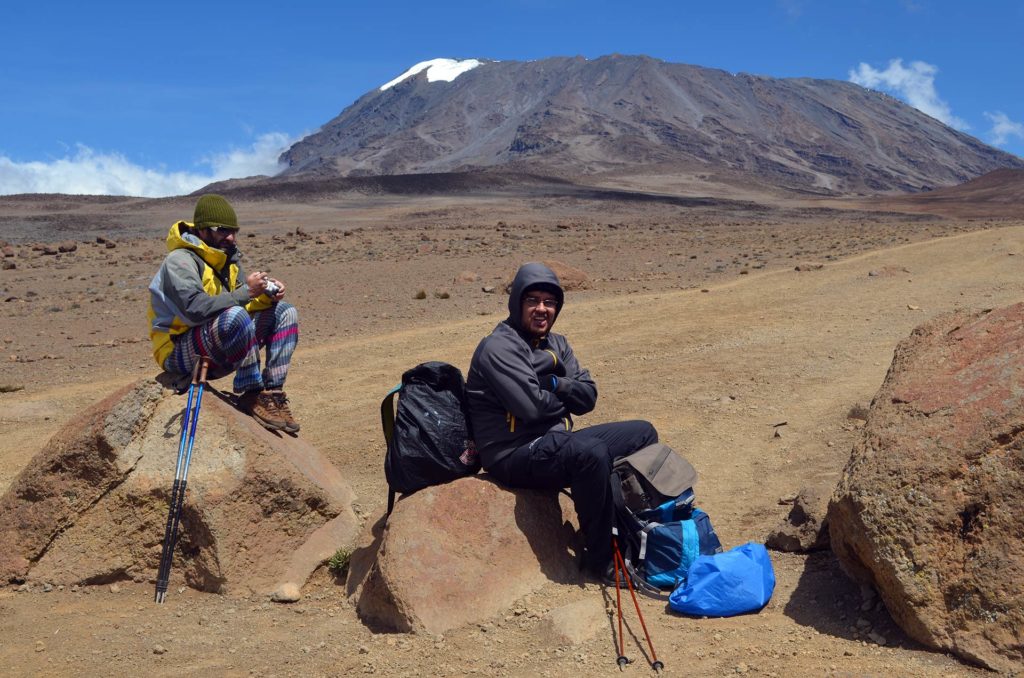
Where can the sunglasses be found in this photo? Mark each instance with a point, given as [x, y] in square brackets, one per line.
[222, 229]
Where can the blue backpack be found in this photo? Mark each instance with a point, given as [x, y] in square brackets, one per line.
[660, 532]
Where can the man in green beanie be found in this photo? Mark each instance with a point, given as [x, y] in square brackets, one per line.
[203, 306]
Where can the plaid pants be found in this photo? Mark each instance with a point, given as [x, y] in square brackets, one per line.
[232, 342]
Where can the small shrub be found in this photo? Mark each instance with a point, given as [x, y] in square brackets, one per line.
[338, 563]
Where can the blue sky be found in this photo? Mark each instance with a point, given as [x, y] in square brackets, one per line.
[161, 98]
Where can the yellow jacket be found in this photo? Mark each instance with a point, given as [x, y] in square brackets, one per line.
[195, 283]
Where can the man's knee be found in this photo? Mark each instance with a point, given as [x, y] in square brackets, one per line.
[235, 319]
[286, 314]
[647, 433]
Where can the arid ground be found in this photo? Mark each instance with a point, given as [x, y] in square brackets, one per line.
[696, 319]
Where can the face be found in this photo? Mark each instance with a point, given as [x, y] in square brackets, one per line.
[538, 312]
[218, 237]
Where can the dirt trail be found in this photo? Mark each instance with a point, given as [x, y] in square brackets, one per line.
[716, 371]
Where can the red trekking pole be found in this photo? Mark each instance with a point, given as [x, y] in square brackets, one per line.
[620, 566]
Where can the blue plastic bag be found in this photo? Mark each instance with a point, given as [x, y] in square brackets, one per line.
[725, 584]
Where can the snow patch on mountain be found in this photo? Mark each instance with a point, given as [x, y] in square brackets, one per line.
[437, 69]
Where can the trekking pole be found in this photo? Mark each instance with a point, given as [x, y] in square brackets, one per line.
[655, 664]
[185, 445]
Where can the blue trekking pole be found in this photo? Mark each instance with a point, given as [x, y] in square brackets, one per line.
[185, 445]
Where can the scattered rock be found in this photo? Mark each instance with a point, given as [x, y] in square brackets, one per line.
[115, 588]
[109, 244]
[7, 251]
[571, 277]
[888, 272]
[286, 593]
[489, 289]
[466, 277]
[8, 265]
[940, 460]
[67, 247]
[49, 250]
[911, 307]
[809, 266]
[805, 528]
[461, 552]
[159, 649]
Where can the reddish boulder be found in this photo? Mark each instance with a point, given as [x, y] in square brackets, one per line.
[929, 506]
[571, 277]
[261, 510]
[460, 552]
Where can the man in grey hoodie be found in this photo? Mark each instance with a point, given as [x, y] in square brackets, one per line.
[523, 388]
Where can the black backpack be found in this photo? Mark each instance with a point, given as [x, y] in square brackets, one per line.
[428, 437]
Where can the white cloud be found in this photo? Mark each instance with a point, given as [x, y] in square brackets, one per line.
[94, 173]
[1003, 128]
[914, 84]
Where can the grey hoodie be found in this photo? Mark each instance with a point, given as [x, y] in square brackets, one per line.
[509, 383]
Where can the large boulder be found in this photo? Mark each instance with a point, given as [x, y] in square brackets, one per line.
[262, 511]
[929, 506]
[459, 553]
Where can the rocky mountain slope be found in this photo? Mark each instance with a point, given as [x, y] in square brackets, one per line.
[573, 117]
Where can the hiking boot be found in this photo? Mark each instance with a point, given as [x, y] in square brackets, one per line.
[284, 412]
[263, 408]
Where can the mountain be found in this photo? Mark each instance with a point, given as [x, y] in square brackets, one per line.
[634, 115]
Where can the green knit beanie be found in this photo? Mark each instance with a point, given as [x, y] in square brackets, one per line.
[214, 210]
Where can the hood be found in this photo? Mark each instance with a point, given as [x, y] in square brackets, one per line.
[530, 275]
[179, 237]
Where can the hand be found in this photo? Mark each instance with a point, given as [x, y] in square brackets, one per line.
[257, 283]
[548, 382]
[280, 289]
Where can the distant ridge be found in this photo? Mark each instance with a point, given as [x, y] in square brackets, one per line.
[997, 194]
[634, 115]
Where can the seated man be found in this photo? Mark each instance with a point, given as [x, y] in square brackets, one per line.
[523, 387]
[203, 306]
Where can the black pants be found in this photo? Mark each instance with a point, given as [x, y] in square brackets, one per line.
[582, 461]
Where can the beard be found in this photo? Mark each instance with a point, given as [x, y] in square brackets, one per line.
[229, 249]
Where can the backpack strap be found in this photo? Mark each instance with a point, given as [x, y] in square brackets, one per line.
[387, 413]
[387, 422]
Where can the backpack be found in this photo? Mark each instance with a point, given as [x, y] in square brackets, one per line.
[428, 436]
[660, 531]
